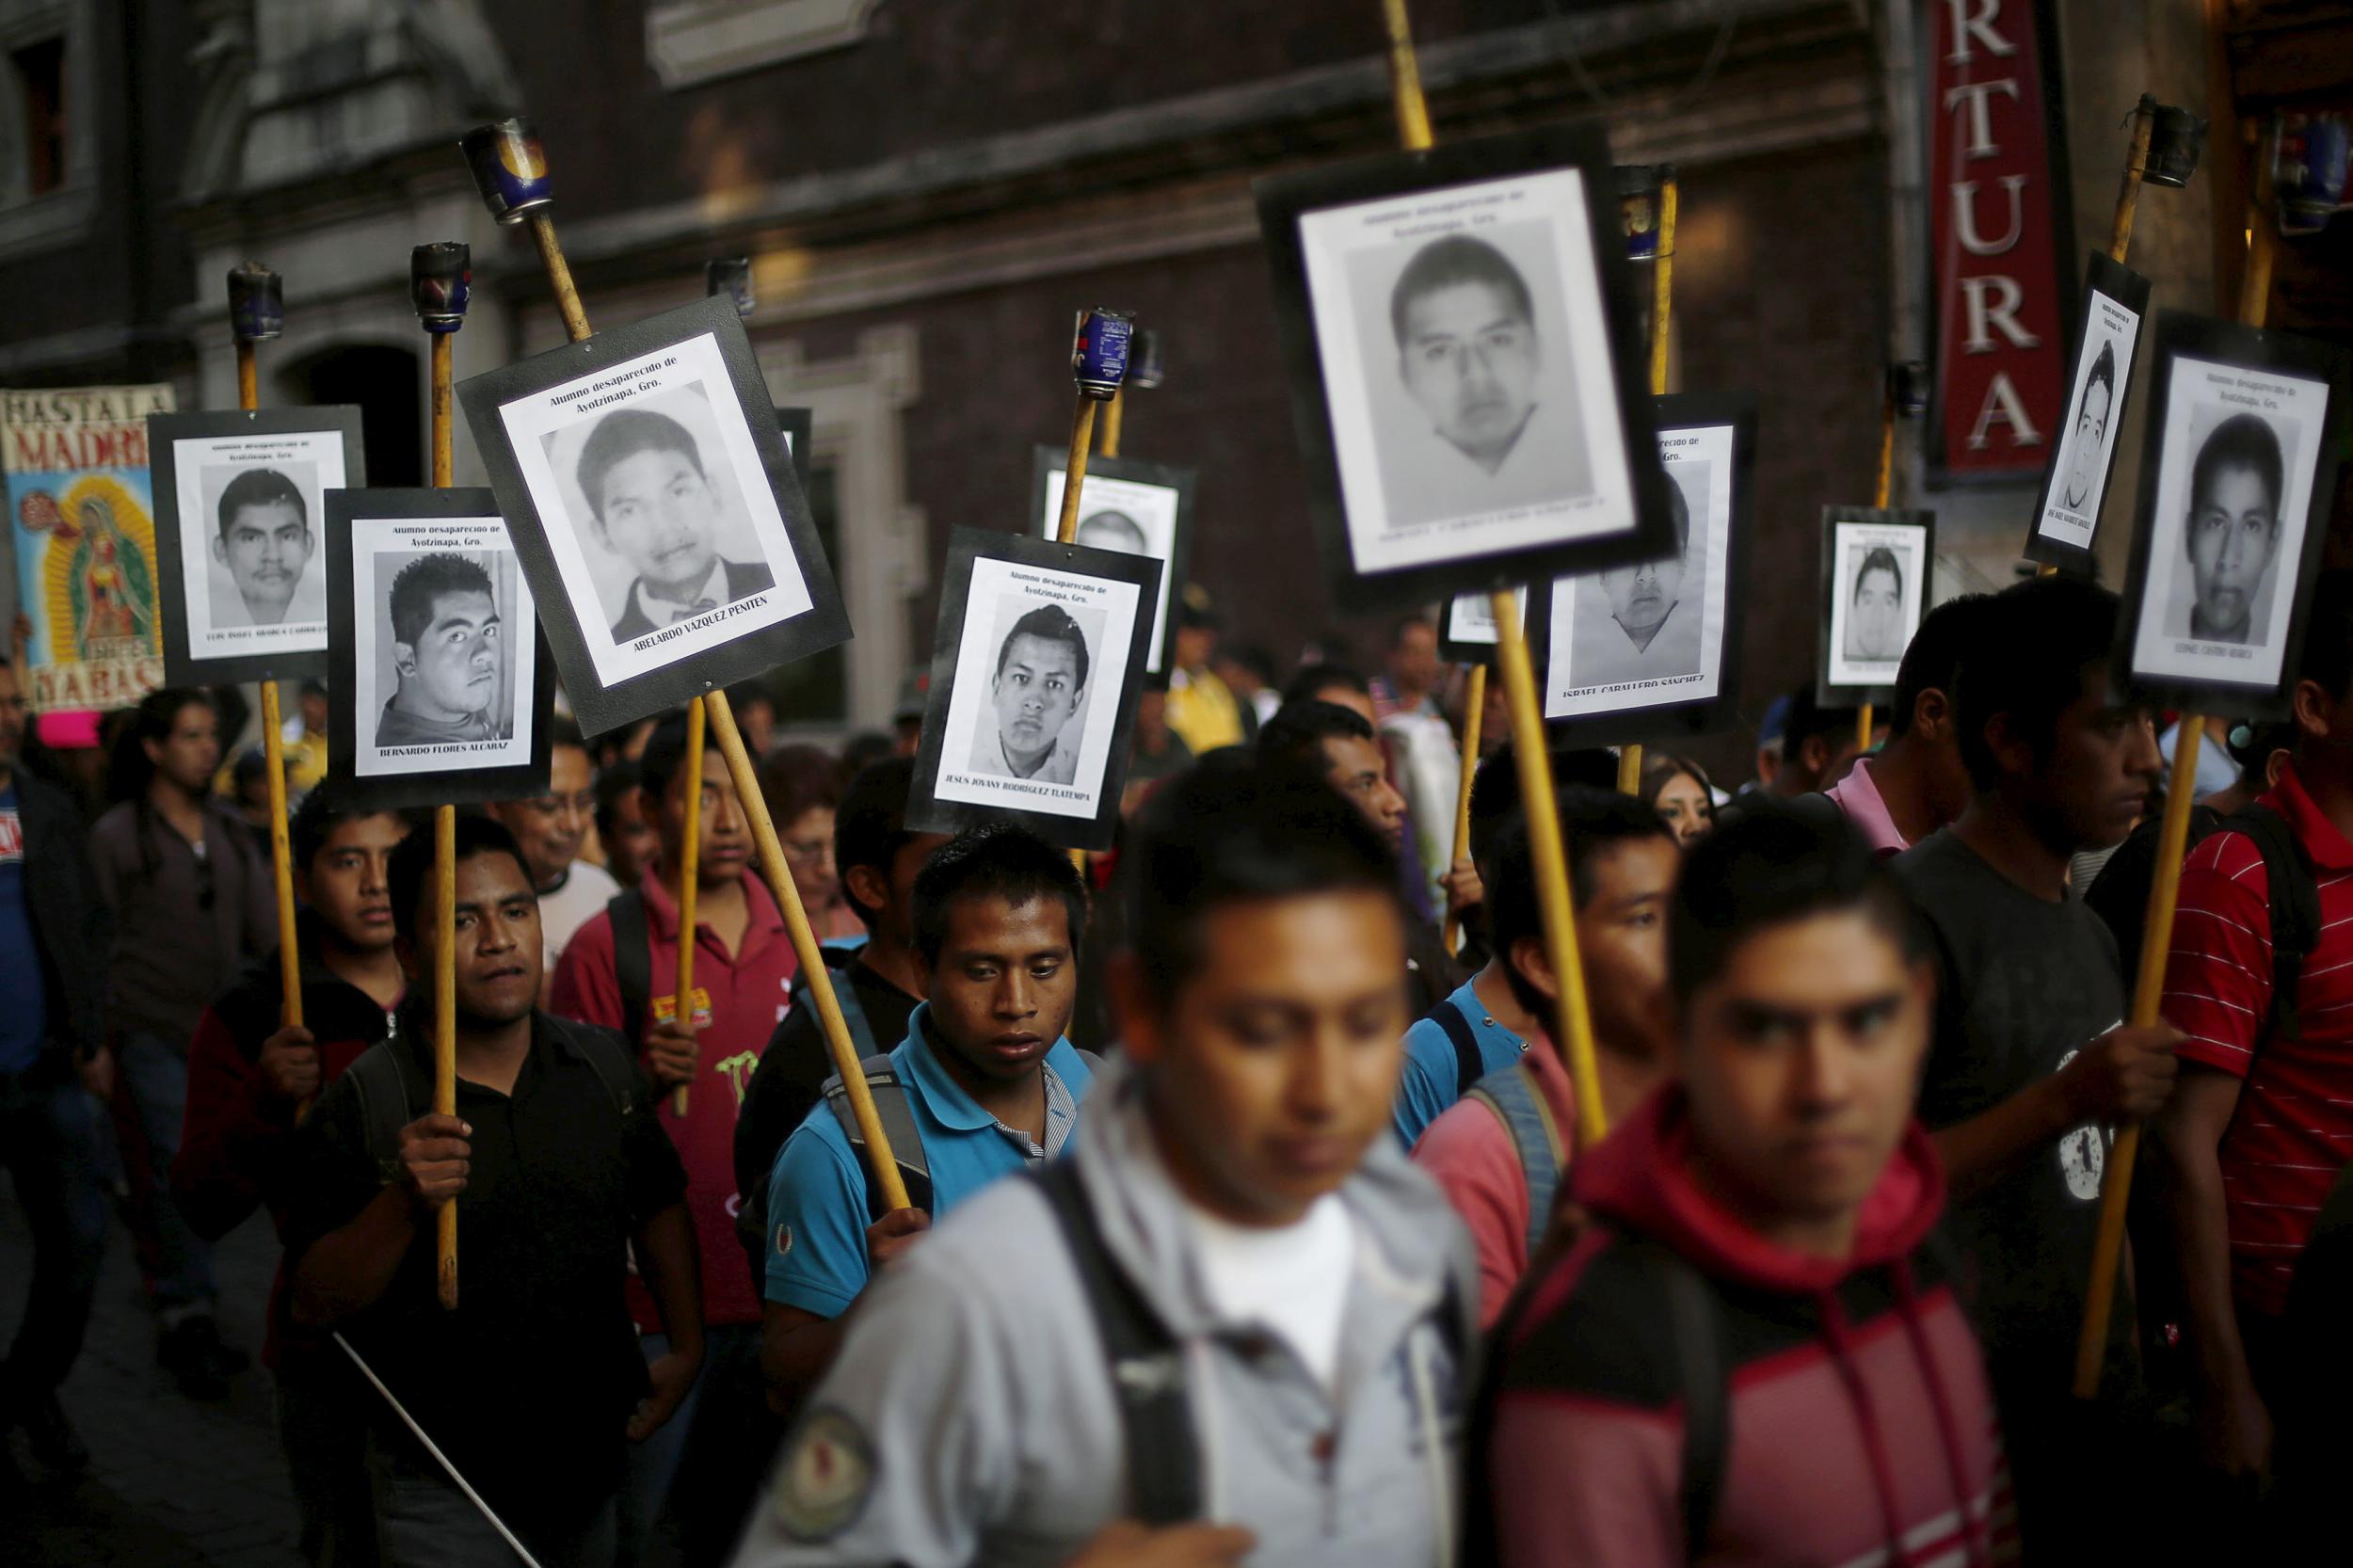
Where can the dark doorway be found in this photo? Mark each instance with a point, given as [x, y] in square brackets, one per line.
[388, 384]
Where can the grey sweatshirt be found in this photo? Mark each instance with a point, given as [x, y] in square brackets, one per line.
[969, 1417]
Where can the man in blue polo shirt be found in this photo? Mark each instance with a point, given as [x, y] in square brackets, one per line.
[990, 1085]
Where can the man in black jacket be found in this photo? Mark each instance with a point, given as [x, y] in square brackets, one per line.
[52, 964]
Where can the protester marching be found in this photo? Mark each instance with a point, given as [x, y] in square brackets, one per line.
[1647, 1012]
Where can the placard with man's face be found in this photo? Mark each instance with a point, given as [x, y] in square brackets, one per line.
[2241, 463]
[240, 518]
[1876, 564]
[656, 511]
[2107, 331]
[1468, 398]
[444, 679]
[1034, 688]
[1135, 507]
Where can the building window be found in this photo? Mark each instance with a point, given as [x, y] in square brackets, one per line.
[40, 73]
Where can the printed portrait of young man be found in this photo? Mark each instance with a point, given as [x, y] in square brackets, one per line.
[653, 506]
[2231, 532]
[1039, 681]
[266, 542]
[448, 649]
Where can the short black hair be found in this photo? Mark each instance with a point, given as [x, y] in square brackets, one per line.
[1880, 558]
[994, 861]
[2328, 635]
[665, 756]
[260, 487]
[564, 730]
[1452, 260]
[1679, 508]
[1592, 823]
[425, 580]
[622, 435]
[613, 780]
[1218, 836]
[2243, 440]
[1769, 868]
[2026, 659]
[2103, 373]
[1294, 736]
[870, 827]
[1495, 787]
[1809, 720]
[1932, 658]
[1049, 623]
[412, 870]
[1310, 678]
[325, 810]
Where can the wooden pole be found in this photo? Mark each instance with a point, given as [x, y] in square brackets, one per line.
[249, 378]
[1474, 717]
[1881, 489]
[1073, 480]
[2115, 1180]
[1115, 419]
[1662, 306]
[771, 862]
[2128, 194]
[1573, 1026]
[689, 871]
[439, 282]
[812, 959]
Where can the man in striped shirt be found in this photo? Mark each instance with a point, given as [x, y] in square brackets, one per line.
[2262, 1121]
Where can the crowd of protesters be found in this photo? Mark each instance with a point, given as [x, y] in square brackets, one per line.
[1251, 1217]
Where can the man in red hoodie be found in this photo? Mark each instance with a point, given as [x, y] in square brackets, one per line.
[1752, 1354]
[715, 1449]
[247, 1078]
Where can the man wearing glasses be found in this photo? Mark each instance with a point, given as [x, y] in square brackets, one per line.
[550, 829]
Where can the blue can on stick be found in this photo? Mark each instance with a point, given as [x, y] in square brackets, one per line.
[1098, 358]
[440, 280]
[257, 304]
[508, 168]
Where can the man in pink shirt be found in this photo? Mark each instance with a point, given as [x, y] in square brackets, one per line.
[1916, 784]
[1498, 1152]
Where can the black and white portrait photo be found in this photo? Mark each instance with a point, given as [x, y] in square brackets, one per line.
[1034, 680]
[240, 517]
[1652, 632]
[2108, 333]
[1137, 508]
[646, 477]
[436, 644]
[2227, 524]
[1462, 389]
[1876, 591]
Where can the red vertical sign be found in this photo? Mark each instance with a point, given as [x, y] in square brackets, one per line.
[1992, 231]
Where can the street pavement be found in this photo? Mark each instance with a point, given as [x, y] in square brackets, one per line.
[172, 1481]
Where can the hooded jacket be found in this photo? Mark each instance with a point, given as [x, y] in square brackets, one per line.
[970, 1419]
[1859, 1426]
[72, 926]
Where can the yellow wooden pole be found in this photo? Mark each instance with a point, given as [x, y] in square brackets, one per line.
[1881, 489]
[1114, 420]
[445, 1027]
[1473, 717]
[2116, 1181]
[812, 959]
[1573, 1026]
[274, 764]
[1073, 480]
[2128, 194]
[1662, 308]
[689, 871]
[771, 862]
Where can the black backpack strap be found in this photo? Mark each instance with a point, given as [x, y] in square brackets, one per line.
[898, 1125]
[1145, 1364]
[609, 1053]
[1707, 1400]
[390, 1087]
[2294, 908]
[632, 961]
[1469, 1067]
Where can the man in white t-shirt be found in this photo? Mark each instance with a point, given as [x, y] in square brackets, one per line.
[550, 829]
[1282, 1302]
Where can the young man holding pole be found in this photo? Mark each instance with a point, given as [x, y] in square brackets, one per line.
[1915, 783]
[2259, 1126]
[1756, 1346]
[617, 973]
[2033, 1063]
[53, 934]
[534, 1386]
[249, 1077]
[986, 1080]
[1501, 1152]
[1285, 1300]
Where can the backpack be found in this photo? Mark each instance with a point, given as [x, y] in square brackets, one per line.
[632, 961]
[393, 1091]
[1469, 1066]
[1512, 1093]
[2294, 892]
[1146, 1365]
